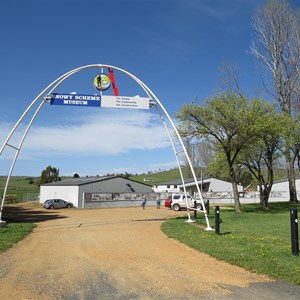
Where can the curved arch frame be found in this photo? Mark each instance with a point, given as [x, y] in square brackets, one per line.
[154, 103]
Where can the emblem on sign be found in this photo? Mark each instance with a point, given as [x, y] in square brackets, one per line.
[101, 82]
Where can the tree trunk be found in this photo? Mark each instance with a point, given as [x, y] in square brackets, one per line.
[292, 180]
[264, 197]
[236, 197]
[237, 203]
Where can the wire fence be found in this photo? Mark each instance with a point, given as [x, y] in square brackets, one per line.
[32, 197]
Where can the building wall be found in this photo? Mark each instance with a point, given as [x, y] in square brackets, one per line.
[281, 190]
[166, 189]
[283, 186]
[118, 200]
[68, 193]
[217, 185]
[115, 185]
[75, 194]
[210, 185]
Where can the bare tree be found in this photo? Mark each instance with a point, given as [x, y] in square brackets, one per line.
[277, 45]
[230, 78]
[201, 155]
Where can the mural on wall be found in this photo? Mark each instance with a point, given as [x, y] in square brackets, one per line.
[98, 197]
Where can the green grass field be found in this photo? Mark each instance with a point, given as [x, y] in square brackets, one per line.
[255, 240]
[159, 177]
[18, 186]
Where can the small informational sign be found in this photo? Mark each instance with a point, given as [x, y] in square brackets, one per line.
[125, 102]
[75, 100]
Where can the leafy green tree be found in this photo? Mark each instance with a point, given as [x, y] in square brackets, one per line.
[261, 157]
[50, 174]
[229, 121]
[218, 168]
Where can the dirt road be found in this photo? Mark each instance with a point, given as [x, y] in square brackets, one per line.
[117, 253]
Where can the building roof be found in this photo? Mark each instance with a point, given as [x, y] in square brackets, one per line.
[191, 182]
[87, 180]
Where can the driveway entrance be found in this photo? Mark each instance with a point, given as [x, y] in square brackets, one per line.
[118, 253]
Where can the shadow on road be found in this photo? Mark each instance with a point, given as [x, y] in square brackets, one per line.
[12, 213]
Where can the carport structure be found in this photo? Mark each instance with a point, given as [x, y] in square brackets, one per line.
[48, 95]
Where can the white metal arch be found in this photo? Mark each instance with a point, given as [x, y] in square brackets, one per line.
[155, 103]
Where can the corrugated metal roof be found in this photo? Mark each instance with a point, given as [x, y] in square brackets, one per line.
[87, 180]
[81, 180]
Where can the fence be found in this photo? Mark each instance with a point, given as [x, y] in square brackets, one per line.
[31, 197]
[245, 197]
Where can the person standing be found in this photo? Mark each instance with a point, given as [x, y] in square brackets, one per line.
[144, 203]
[158, 202]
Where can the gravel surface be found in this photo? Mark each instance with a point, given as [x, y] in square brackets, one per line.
[119, 253]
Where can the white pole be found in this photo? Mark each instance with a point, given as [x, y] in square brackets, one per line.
[178, 164]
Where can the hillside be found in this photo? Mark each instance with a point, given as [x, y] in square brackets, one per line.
[158, 177]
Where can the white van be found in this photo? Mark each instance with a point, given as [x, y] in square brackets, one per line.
[179, 201]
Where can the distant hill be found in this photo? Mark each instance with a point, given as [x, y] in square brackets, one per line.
[157, 177]
[20, 186]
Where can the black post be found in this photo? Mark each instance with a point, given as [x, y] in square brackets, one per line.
[294, 231]
[217, 220]
[195, 209]
[207, 207]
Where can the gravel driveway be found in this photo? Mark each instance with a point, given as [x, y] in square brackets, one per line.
[119, 253]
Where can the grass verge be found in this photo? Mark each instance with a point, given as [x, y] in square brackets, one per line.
[255, 240]
[12, 233]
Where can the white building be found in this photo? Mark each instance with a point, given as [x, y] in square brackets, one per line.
[106, 191]
[281, 191]
[205, 185]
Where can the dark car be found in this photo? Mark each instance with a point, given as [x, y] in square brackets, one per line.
[57, 203]
[168, 202]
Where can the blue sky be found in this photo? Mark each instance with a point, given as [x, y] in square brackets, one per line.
[175, 47]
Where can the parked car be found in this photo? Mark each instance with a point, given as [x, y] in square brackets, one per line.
[168, 202]
[57, 203]
[179, 202]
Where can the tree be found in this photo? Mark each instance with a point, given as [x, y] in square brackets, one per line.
[230, 122]
[200, 154]
[76, 175]
[260, 157]
[277, 46]
[230, 78]
[50, 174]
[218, 168]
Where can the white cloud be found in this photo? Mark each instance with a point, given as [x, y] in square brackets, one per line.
[110, 133]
